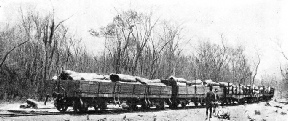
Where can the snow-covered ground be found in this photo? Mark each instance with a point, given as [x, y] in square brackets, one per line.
[272, 111]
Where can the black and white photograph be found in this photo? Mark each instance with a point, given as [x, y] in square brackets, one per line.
[143, 60]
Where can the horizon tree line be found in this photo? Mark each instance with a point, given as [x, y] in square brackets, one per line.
[39, 47]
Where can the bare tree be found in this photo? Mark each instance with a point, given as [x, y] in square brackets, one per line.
[127, 36]
[221, 63]
[256, 69]
[7, 53]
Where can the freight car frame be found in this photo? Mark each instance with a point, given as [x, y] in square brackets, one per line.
[83, 94]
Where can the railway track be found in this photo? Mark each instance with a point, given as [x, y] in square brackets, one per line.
[91, 111]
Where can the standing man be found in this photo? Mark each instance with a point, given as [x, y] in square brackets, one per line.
[215, 104]
[210, 98]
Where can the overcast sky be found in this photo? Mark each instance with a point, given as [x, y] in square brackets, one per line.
[254, 24]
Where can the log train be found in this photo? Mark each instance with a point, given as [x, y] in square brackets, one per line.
[81, 93]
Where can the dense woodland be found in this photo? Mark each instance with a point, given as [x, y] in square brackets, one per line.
[39, 47]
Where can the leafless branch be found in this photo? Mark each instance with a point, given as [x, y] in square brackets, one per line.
[7, 53]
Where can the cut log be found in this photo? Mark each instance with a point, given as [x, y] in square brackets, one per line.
[122, 77]
[32, 103]
[142, 80]
[25, 105]
[206, 82]
[72, 75]
[181, 84]
[129, 82]
[181, 80]
[223, 84]
[146, 81]
[194, 82]
[213, 84]
[100, 80]
[156, 84]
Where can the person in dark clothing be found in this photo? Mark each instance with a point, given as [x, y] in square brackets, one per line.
[215, 104]
[210, 98]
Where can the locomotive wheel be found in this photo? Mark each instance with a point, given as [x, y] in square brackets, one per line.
[158, 106]
[171, 105]
[76, 106]
[240, 101]
[229, 102]
[62, 108]
[96, 108]
[79, 106]
[145, 105]
[183, 104]
[249, 100]
[202, 103]
[84, 107]
[196, 103]
[161, 105]
[174, 105]
[222, 103]
[131, 105]
[103, 107]
[232, 101]
[61, 105]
